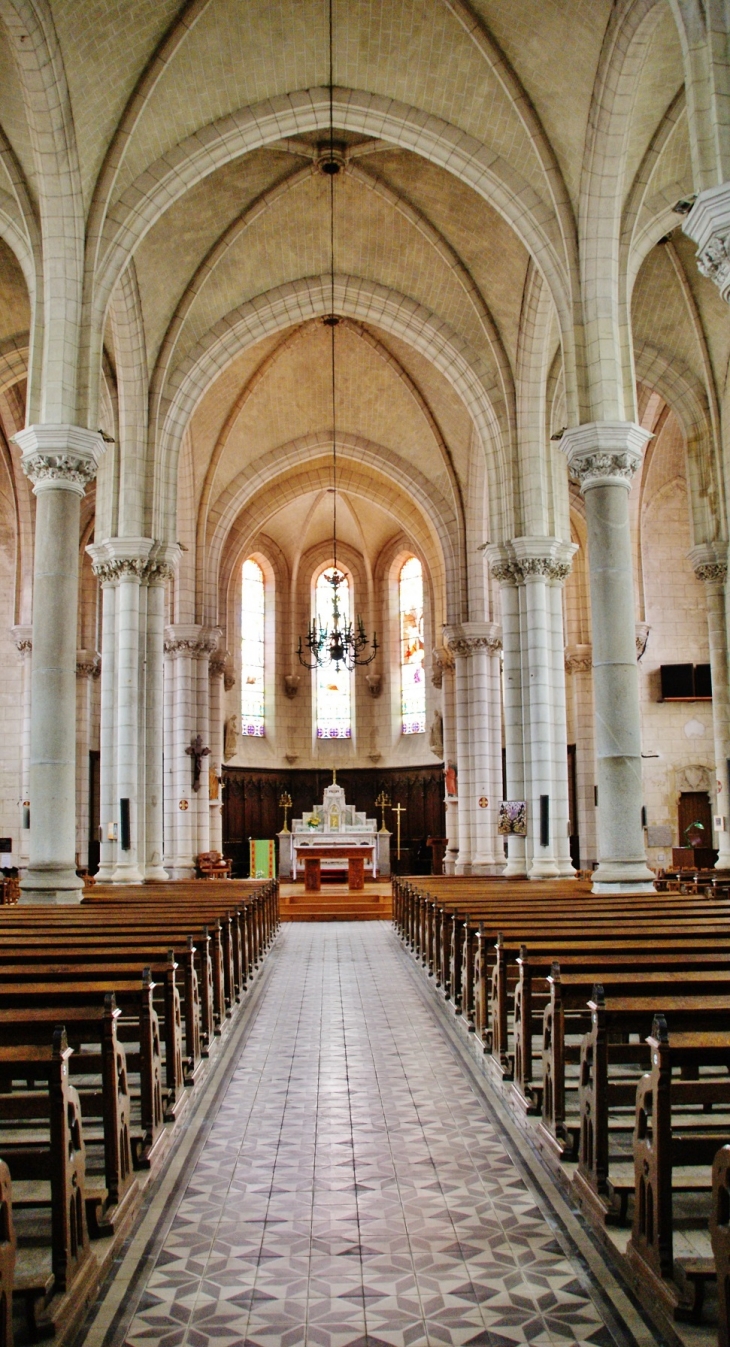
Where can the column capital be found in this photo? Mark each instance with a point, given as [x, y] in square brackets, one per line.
[578, 659]
[59, 456]
[604, 453]
[23, 637]
[88, 664]
[219, 662]
[521, 558]
[120, 558]
[192, 639]
[465, 638]
[708, 225]
[442, 662]
[709, 561]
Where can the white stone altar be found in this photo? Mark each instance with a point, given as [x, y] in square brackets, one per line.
[334, 825]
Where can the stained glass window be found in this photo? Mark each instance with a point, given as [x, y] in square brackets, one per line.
[252, 649]
[413, 683]
[333, 688]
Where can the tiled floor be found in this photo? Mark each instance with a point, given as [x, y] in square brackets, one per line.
[352, 1190]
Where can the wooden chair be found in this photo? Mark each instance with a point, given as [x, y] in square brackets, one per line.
[211, 865]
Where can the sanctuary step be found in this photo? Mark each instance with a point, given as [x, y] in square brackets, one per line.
[336, 902]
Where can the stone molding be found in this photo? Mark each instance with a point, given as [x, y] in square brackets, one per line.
[708, 225]
[709, 561]
[218, 661]
[23, 637]
[524, 558]
[59, 456]
[578, 659]
[143, 559]
[466, 638]
[604, 453]
[642, 638]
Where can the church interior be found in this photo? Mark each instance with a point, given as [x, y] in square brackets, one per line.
[364, 677]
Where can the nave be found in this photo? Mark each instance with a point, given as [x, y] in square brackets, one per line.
[353, 1188]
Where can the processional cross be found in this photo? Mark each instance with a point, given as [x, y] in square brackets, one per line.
[197, 753]
[398, 809]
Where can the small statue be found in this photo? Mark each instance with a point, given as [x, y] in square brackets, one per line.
[436, 737]
[230, 737]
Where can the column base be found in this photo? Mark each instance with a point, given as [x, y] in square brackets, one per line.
[51, 887]
[623, 876]
[180, 871]
[543, 870]
[155, 873]
[487, 868]
[566, 870]
[515, 870]
[104, 874]
[127, 874]
[623, 886]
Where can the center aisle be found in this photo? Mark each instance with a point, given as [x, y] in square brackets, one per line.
[352, 1189]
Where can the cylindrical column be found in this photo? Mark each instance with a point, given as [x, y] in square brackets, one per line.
[59, 460]
[153, 860]
[444, 660]
[201, 674]
[127, 870]
[503, 571]
[538, 691]
[216, 671]
[484, 806]
[710, 564]
[603, 457]
[579, 696]
[24, 641]
[463, 758]
[561, 805]
[107, 738]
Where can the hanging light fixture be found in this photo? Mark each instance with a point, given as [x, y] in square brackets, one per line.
[340, 643]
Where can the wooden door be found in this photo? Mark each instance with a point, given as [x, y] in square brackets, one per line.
[694, 807]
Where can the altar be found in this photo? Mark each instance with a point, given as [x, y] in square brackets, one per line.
[336, 834]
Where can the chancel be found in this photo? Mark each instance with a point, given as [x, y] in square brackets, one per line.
[364, 673]
[334, 833]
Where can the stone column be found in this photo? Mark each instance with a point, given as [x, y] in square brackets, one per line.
[443, 677]
[561, 803]
[87, 671]
[23, 637]
[107, 735]
[60, 460]
[216, 671]
[710, 565]
[603, 457]
[475, 644]
[123, 563]
[463, 754]
[536, 639]
[503, 571]
[708, 225]
[188, 649]
[160, 571]
[579, 670]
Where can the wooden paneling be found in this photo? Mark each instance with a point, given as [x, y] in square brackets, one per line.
[251, 806]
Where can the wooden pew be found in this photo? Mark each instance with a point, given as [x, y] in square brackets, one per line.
[48, 1164]
[7, 1257]
[82, 1010]
[674, 1284]
[720, 1240]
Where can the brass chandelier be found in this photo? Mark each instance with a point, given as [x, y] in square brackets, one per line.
[341, 642]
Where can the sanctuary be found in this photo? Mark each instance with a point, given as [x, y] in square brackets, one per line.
[335, 832]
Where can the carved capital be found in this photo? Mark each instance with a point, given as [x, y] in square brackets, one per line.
[604, 453]
[217, 666]
[59, 456]
[141, 559]
[375, 684]
[642, 638]
[467, 638]
[578, 659]
[709, 561]
[192, 640]
[291, 685]
[23, 637]
[88, 664]
[708, 225]
[442, 662]
[527, 557]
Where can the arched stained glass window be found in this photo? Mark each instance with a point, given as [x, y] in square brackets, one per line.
[252, 649]
[412, 679]
[334, 719]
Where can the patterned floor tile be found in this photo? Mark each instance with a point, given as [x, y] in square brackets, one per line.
[352, 1191]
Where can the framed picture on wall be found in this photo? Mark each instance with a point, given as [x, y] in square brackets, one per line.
[512, 818]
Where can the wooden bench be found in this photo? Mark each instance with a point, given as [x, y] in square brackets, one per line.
[675, 1283]
[42, 1144]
